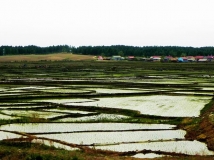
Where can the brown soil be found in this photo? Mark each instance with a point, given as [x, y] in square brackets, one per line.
[46, 57]
[202, 131]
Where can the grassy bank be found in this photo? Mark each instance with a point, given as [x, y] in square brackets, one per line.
[45, 57]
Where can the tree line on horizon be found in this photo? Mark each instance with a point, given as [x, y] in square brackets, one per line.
[31, 49]
[107, 51]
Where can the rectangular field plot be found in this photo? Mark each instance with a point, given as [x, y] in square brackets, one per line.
[185, 147]
[72, 127]
[2, 116]
[159, 105]
[8, 135]
[107, 138]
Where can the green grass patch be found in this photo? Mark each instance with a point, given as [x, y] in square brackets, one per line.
[208, 106]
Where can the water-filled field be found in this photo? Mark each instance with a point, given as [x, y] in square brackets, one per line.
[130, 109]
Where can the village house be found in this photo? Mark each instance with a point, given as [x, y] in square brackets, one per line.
[99, 58]
[167, 58]
[131, 58]
[210, 58]
[155, 58]
[190, 58]
[117, 58]
[200, 58]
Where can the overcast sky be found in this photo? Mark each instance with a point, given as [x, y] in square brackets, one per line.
[107, 22]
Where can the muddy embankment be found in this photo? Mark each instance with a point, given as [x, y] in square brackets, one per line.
[202, 128]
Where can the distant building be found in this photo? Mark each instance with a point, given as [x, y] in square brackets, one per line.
[197, 58]
[173, 59]
[155, 58]
[190, 58]
[210, 58]
[99, 58]
[202, 60]
[185, 59]
[117, 58]
[180, 59]
[131, 58]
[167, 58]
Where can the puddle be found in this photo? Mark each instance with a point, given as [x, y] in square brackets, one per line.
[60, 90]
[66, 127]
[15, 104]
[7, 135]
[207, 89]
[149, 155]
[23, 107]
[159, 105]
[33, 114]
[195, 93]
[111, 91]
[185, 147]
[5, 117]
[116, 137]
[8, 94]
[13, 91]
[32, 88]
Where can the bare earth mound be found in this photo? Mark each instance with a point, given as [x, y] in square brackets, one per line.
[204, 130]
[47, 57]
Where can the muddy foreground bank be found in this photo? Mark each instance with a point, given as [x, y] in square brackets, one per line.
[202, 128]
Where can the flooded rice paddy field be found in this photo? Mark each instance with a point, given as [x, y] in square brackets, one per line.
[124, 109]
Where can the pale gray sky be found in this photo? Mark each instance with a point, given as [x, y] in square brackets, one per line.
[107, 22]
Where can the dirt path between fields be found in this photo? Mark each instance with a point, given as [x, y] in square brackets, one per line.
[203, 130]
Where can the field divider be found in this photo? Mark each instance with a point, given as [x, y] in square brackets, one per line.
[148, 141]
[88, 131]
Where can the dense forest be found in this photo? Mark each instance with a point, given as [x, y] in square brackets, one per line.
[146, 51]
[108, 51]
[31, 49]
